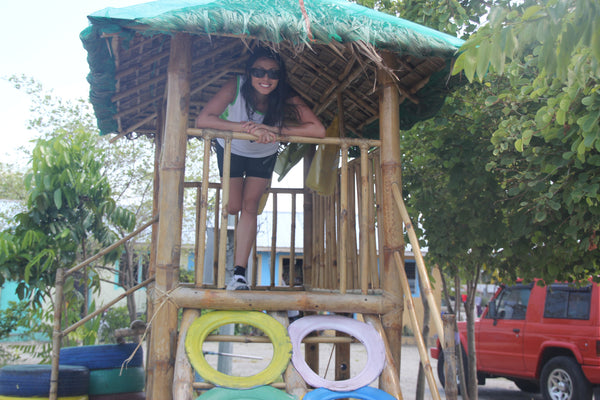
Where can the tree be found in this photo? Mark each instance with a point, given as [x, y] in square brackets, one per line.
[547, 146]
[69, 213]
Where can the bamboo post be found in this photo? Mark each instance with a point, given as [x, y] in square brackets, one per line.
[158, 145]
[224, 215]
[273, 242]
[184, 373]
[373, 275]
[292, 270]
[390, 375]
[389, 129]
[308, 227]
[379, 197]
[294, 384]
[450, 357]
[171, 213]
[56, 333]
[364, 219]
[203, 210]
[414, 241]
[352, 268]
[425, 362]
[344, 220]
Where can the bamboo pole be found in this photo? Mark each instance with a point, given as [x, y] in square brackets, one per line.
[344, 221]
[373, 273]
[364, 221]
[353, 235]
[307, 205]
[265, 339]
[158, 145]
[389, 129]
[414, 319]
[107, 306]
[171, 212]
[56, 333]
[110, 248]
[292, 271]
[210, 133]
[390, 376]
[273, 242]
[189, 297]
[414, 241]
[380, 230]
[201, 230]
[184, 374]
[224, 215]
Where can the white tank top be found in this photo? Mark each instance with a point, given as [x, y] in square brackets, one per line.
[236, 112]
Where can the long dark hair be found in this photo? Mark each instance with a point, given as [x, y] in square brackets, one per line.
[278, 107]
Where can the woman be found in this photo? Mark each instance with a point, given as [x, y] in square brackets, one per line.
[261, 103]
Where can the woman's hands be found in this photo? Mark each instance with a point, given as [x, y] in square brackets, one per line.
[264, 133]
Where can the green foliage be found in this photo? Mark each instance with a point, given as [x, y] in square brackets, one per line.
[546, 148]
[113, 318]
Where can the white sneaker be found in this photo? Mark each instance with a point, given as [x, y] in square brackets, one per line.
[238, 282]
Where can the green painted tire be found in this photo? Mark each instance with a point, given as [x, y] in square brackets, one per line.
[112, 381]
[259, 393]
[203, 326]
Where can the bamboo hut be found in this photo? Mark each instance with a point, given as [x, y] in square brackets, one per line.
[152, 68]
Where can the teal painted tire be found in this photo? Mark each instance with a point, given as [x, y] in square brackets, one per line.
[120, 396]
[258, 393]
[203, 326]
[113, 381]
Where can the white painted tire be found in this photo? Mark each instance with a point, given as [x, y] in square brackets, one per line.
[365, 333]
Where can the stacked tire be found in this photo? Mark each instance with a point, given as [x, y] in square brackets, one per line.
[33, 382]
[110, 375]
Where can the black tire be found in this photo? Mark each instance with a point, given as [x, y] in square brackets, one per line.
[562, 379]
[527, 386]
[34, 381]
[440, 368]
[105, 356]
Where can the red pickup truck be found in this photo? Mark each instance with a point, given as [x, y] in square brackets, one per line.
[541, 337]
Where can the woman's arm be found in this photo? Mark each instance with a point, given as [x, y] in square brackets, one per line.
[209, 117]
[308, 124]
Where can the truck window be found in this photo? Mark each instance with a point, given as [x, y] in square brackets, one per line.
[512, 302]
[568, 302]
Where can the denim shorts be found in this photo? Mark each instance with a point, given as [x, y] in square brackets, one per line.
[247, 166]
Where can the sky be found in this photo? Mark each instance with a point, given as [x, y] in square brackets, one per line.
[40, 39]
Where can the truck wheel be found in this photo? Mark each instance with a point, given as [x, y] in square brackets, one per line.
[562, 379]
[440, 368]
[527, 386]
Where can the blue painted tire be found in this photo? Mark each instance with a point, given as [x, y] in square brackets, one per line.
[257, 393]
[103, 356]
[115, 380]
[365, 393]
[34, 380]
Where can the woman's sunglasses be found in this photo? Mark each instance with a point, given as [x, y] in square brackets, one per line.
[260, 72]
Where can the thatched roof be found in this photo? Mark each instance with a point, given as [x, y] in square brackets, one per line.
[128, 52]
